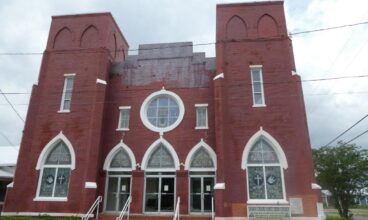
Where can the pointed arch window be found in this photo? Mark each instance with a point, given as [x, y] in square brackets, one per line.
[161, 158]
[202, 159]
[264, 173]
[121, 160]
[55, 172]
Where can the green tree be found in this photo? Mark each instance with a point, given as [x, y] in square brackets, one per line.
[343, 170]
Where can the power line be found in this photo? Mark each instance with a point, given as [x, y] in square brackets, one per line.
[228, 86]
[194, 45]
[328, 28]
[57, 103]
[11, 105]
[356, 137]
[6, 138]
[356, 123]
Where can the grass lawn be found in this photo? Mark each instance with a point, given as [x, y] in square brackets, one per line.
[356, 212]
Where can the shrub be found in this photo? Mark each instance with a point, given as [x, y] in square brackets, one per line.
[335, 218]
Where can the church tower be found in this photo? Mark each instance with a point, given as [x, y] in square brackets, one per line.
[60, 149]
[261, 124]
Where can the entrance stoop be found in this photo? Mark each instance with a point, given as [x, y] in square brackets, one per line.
[153, 217]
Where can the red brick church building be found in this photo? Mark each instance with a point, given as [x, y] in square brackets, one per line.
[168, 123]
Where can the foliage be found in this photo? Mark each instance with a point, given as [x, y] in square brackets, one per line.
[343, 170]
[335, 218]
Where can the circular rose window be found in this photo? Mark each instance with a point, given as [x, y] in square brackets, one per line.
[162, 111]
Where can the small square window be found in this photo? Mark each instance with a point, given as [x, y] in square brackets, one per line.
[202, 118]
[124, 118]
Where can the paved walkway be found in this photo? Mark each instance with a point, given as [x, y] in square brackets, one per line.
[360, 218]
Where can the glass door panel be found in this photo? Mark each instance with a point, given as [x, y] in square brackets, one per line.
[207, 193]
[152, 194]
[195, 194]
[201, 193]
[167, 194]
[124, 191]
[112, 191]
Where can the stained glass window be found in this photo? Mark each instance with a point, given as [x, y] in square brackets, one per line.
[56, 172]
[202, 159]
[161, 158]
[163, 111]
[264, 172]
[121, 160]
[59, 155]
[262, 152]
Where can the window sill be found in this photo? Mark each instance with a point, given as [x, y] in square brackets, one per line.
[200, 128]
[267, 202]
[51, 199]
[259, 105]
[63, 111]
[122, 129]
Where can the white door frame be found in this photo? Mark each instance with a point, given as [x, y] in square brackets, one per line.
[119, 176]
[201, 176]
[160, 176]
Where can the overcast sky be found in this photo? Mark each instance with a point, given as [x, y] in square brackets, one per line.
[332, 106]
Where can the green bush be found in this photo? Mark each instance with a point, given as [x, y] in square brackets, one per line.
[335, 218]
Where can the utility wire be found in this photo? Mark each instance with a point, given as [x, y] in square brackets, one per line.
[356, 137]
[14, 147]
[227, 86]
[356, 123]
[199, 44]
[328, 28]
[57, 103]
[6, 138]
[11, 105]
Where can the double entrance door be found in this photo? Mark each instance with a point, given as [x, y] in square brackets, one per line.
[201, 193]
[159, 193]
[118, 191]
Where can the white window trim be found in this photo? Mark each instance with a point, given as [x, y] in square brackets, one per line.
[192, 152]
[50, 199]
[273, 142]
[62, 110]
[283, 164]
[261, 81]
[49, 146]
[152, 148]
[112, 153]
[41, 165]
[201, 106]
[144, 107]
[119, 122]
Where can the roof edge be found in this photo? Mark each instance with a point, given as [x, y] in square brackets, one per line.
[267, 2]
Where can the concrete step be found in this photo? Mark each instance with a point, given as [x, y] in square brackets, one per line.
[153, 217]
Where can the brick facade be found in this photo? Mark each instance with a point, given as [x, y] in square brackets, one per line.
[93, 47]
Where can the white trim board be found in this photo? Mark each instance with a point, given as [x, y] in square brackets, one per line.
[49, 146]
